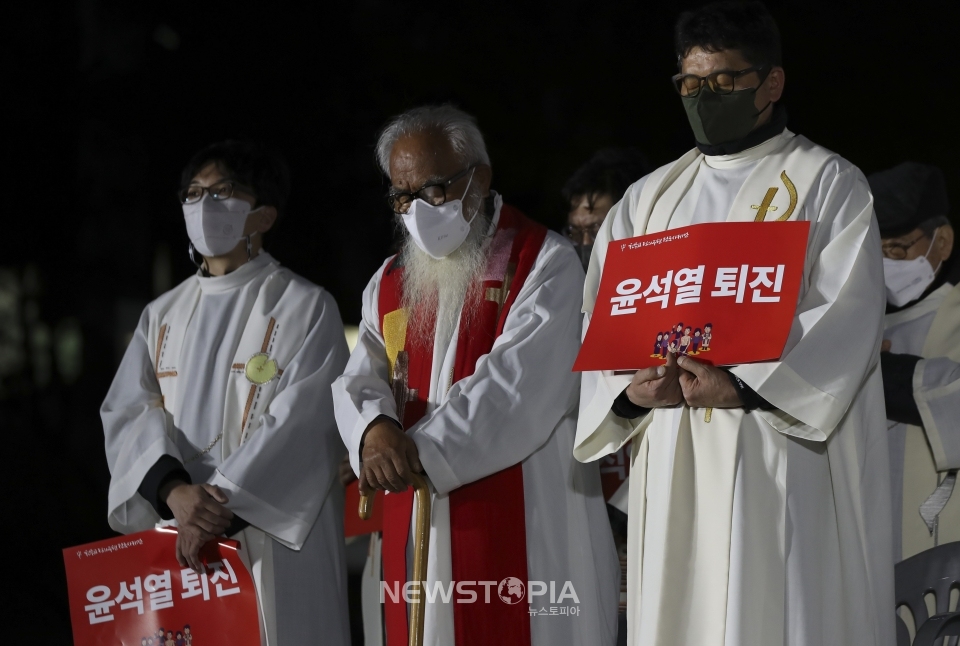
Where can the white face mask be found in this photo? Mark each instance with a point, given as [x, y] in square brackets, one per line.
[438, 230]
[906, 280]
[216, 227]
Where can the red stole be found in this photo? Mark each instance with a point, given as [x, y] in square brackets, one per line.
[487, 523]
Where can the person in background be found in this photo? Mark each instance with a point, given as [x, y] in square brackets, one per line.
[920, 357]
[220, 416]
[592, 191]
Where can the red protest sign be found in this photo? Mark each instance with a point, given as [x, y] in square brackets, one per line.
[130, 590]
[723, 292]
[352, 525]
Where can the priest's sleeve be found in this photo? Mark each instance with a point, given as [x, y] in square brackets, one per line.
[521, 390]
[137, 434]
[835, 338]
[363, 392]
[279, 479]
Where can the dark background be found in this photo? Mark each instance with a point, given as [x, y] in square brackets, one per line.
[104, 102]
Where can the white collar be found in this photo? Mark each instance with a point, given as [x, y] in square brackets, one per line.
[238, 277]
[749, 155]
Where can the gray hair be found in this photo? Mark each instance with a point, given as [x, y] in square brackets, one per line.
[457, 126]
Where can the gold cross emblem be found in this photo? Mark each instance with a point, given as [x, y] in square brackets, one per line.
[767, 203]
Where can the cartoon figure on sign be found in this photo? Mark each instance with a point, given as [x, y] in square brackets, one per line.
[665, 345]
[707, 336]
[143, 641]
[187, 635]
[180, 641]
[677, 333]
[150, 641]
[685, 341]
[658, 346]
[159, 636]
[697, 340]
[169, 641]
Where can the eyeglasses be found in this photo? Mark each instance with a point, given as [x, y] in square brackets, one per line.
[434, 194]
[720, 82]
[898, 250]
[219, 191]
[576, 234]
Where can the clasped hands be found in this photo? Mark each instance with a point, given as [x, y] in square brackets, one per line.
[683, 380]
[388, 458]
[201, 517]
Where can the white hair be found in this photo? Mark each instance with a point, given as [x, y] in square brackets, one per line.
[457, 126]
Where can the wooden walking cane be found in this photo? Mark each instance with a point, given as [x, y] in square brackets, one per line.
[421, 548]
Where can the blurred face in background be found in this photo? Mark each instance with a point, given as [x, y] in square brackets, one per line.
[584, 219]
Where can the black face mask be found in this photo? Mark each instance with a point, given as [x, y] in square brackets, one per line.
[719, 118]
[584, 251]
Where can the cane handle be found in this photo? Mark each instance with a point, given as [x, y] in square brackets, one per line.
[366, 506]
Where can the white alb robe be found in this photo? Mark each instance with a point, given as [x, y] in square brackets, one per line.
[921, 456]
[281, 475]
[763, 528]
[520, 405]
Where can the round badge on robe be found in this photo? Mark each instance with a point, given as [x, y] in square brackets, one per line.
[260, 369]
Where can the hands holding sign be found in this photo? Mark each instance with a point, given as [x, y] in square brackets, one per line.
[682, 380]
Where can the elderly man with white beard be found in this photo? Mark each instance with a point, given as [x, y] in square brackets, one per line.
[462, 371]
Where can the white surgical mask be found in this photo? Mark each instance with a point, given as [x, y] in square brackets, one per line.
[906, 280]
[438, 230]
[215, 227]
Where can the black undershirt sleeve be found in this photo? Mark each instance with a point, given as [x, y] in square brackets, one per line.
[236, 525]
[623, 407]
[749, 398]
[164, 470]
[897, 371]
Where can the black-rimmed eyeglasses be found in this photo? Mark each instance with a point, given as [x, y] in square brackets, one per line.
[434, 193]
[219, 191]
[898, 250]
[719, 82]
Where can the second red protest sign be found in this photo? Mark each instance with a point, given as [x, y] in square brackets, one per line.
[130, 590]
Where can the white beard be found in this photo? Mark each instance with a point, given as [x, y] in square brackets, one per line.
[435, 291]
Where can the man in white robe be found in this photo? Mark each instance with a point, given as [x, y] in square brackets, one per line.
[512, 415]
[220, 414]
[758, 506]
[921, 354]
